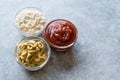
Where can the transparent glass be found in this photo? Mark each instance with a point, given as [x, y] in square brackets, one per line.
[26, 39]
[61, 48]
[27, 34]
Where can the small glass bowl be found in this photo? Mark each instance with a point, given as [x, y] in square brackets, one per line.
[26, 39]
[27, 34]
[61, 48]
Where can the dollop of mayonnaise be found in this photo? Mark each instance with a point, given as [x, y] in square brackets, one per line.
[30, 20]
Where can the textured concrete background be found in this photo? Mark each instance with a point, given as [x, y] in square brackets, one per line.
[95, 56]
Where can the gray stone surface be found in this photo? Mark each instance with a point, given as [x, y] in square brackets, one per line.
[95, 56]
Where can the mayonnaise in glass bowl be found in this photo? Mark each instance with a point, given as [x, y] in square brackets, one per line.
[26, 39]
[30, 21]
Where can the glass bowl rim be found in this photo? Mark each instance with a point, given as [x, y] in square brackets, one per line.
[36, 67]
[24, 33]
[61, 47]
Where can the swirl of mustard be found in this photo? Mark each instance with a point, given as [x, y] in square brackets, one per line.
[32, 53]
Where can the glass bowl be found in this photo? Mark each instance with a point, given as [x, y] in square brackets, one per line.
[58, 47]
[26, 39]
[28, 34]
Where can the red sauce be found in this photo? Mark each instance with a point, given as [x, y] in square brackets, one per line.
[60, 33]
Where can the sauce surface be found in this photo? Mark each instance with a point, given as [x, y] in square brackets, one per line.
[60, 32]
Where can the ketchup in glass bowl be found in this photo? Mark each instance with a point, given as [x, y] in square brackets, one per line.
[61, 34]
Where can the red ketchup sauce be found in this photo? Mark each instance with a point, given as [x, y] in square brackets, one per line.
[60, 34]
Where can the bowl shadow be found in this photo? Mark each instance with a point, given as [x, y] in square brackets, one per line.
[59, 62]
[64, 60]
